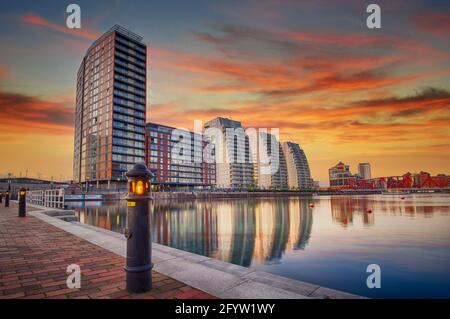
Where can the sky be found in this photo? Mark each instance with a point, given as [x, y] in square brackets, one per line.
[313, 69]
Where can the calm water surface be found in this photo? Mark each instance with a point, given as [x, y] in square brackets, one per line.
[330, 244]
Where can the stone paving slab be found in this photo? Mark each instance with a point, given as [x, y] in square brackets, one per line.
[218, 278]
[34, 256]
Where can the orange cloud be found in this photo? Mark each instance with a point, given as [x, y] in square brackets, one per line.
[19, 113]
[423, 116]
[285, 80]
[4, 72]
[36, 20]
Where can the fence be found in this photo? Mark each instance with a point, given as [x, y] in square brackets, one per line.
[53, 198]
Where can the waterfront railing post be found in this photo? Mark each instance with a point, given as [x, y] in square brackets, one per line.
[138, 232]
[7, 199]
[22, 202]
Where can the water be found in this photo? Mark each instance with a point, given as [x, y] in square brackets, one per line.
[330, 244]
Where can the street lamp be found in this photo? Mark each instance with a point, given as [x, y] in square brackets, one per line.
[138, 232]
[22, 202]
[7, 198]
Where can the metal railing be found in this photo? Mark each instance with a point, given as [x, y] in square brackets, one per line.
[53, 198]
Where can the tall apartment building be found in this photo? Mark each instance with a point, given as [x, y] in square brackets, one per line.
[177, 158]
[298, 172]
[364, 171]
[339, 175]
[234, 165]
[110, 107]
[270, 171]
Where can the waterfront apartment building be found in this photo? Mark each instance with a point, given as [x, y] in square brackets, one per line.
[177, 159]
[270, 171]
[298, 172]
[364, 171]
[110, 107]
[234, 163]
[339, 175]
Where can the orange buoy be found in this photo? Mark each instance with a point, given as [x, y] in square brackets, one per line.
[311, 205]
[403, 197]
[369, 210]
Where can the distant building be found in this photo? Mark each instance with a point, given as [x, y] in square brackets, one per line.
[339, 175]
[110, 107]
[315, 184]
[270, 164]
[188, 167]
[234, 165]
[298, 172]
[425, 180]
[364, 171]
[15, 183]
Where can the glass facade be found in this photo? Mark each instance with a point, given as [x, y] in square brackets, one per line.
[270, 170]
[299, 174]
[177, 158]
[110, 107]
[235, 167]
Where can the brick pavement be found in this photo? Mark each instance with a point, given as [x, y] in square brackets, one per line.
[34, 257]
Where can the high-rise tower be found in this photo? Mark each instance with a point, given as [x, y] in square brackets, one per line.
[234, 164]
[299, 174]
[110, 107]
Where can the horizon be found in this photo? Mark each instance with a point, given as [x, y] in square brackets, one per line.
[341, 91]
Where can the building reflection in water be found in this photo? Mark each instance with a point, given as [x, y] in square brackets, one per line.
[190, 226]
[343, 208]
[238, 231]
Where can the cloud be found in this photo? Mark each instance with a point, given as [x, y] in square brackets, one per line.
[434, 23]
[426, 94]
[284, 77]
[242, 39]
[342, 82]
[422, 117]
[284, 64]
[36, 20]
[4, 72]
[28, 114]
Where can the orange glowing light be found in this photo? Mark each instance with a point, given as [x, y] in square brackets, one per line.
[140, 188]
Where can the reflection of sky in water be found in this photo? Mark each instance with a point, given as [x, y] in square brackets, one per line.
[330, 244]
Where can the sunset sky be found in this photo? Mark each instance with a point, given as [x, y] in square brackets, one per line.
[310, 68]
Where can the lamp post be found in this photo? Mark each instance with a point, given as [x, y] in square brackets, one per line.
[7, 198]
[138, 232]
[22, 202]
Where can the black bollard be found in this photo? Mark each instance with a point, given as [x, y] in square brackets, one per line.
[138, 233]
[1, 197]
[22, 203]
[7, 199]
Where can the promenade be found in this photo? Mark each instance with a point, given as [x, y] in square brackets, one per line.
[34, 256]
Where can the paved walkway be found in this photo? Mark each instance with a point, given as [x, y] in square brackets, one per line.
[34, 256]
